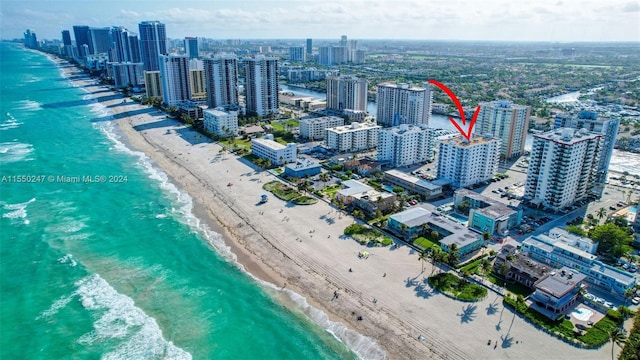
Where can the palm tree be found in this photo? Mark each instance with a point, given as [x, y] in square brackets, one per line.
[617, 336]
[453, 254]
[602, 212]
[423, 256]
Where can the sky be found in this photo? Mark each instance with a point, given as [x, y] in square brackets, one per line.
[489, 20]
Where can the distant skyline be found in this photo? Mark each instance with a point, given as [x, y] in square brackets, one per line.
[486, 20]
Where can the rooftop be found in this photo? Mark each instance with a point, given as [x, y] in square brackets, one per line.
[270, 143]
[474, 141]
[567, 136]
[560, 282]
[354, 126]
[354, 187]
[419, 216]
[412, 179]
[493, 209]
[320, 119]
[302, 164]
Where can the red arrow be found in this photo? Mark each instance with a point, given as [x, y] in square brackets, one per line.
[453, 97]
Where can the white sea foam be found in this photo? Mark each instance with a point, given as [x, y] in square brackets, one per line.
[56, 306]
[183, 210]
[17, 212]
[363, 346]
[29, 105]
[14, 151]
[10, 123]
[117, 317]
[68, 259]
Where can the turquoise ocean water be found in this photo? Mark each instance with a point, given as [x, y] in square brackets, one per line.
[118, 270]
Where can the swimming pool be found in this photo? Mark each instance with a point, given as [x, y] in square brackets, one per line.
[459, 218]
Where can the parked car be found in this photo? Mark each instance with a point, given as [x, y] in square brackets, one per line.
[635, 300]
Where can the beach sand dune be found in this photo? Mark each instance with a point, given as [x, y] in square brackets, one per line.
[302, 249]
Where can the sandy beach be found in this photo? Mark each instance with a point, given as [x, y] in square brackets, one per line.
[302, 250]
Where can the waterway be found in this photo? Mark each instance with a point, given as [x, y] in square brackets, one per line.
[620, 160]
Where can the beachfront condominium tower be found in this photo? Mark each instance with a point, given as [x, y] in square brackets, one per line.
[406, 144]
[99, 40]
[174, 74]
[221, 74]
[191, 47]
[507, 122]
[562, 167]
[309, 47]
[261, 85]
[296, 54]
[468, 162]
[30, 39]
[198, 85]
[126, 47]
[153, 84]
[608, 127]
[403, 104]
[68, 48]
[81, 34]
[153, 43]
[346, 92]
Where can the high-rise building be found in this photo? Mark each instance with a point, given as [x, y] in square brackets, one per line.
[30, 39]
[402, 104]
[66, 37]
[125, 45]
[507, 122]
[353, 137]
[346, 92]
[174, 73]
[468, 162]
[608, 127]
[153, 43]
[296, 54]
[343, 40]
[309, 47]
[261, 84]
[81, 34]
[127, 74]
[358, 56]
[198, 81]
[406, 144]
[562, 168]
[333, 55]
[191, 47]
[221, 75]
[153, 84]
[68, 48]
[99, 40]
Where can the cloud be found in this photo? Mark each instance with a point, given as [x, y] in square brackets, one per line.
[631, 6]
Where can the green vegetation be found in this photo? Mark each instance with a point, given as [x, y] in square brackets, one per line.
[575, 229]
[613, 239]
[512, 287]
[599, 333]
[366, 235]
[457, 288]
[595, 336]
[288, 193]
[424, 243]
[631, 350]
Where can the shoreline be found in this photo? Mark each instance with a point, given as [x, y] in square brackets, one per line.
[315, 268]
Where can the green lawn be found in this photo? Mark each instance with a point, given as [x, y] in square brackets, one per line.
[424, 243]
[288, 193]
[366, 235]
[458, 288]
[515, 288]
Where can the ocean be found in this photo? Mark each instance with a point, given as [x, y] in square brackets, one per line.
[118, 267]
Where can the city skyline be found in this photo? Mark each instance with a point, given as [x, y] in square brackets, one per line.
[546, 20]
